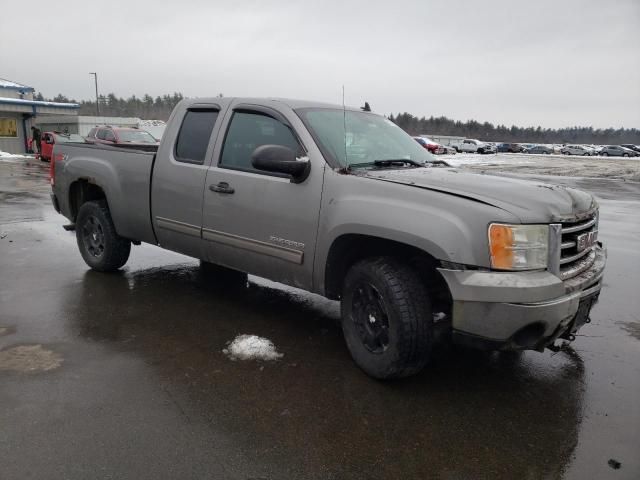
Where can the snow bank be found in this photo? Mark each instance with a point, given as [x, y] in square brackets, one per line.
[251, 347]
[9, 155]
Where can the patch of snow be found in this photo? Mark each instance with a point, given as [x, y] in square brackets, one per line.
[151, 123]
[252, 347]
[10, 155]
[554, 165]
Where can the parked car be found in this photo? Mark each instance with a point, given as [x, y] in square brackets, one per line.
[539, 149]
[122, 136]
[576, 150]
[49, 139]
[635, 148]
[449, 150]
[417, 253]
[470, 145]
[617, 151]
[430, 145]
[510, 147]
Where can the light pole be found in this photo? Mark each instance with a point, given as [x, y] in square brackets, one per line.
[95, 77]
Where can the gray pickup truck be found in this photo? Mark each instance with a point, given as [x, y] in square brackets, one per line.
[345, 204]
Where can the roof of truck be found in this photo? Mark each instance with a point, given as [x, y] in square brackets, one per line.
[291, 103]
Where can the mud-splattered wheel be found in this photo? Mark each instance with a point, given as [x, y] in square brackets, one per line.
[100, 246]
[386, 318]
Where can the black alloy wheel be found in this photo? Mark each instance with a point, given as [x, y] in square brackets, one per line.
[370, 317]
[93, 236]
[101, 247]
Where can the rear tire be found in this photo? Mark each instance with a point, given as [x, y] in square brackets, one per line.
[100, 246]
[386, 318]
[625, 154]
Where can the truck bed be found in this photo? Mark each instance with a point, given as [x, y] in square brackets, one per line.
[124, 173]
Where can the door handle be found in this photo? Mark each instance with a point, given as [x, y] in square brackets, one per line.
[222, 187]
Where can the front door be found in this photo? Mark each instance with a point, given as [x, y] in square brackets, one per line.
[255, 221]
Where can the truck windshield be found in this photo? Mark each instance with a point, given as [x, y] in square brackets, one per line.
[351, 138]
[136, 136]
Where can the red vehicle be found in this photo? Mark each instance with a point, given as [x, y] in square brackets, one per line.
[49, 139]
[430, 145]
[122, 137]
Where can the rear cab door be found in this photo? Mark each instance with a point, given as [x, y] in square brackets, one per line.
[179, 176]
[256, 221]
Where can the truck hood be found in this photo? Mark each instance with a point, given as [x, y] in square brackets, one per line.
[530, 201]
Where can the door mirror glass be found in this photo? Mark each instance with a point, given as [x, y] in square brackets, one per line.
[280, 159]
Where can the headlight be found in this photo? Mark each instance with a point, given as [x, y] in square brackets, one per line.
[518, 247]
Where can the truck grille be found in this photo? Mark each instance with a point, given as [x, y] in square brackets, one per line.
[577, 247]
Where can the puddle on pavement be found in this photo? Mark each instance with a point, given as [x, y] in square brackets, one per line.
[29, 359]
[632, 328]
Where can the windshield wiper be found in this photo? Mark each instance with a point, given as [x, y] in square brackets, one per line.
[386, 163]
[397, 161]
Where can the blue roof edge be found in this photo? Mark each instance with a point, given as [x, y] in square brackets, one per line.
[37, 103]
[23, 88]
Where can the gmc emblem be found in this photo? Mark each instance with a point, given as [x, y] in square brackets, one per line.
[586, 240]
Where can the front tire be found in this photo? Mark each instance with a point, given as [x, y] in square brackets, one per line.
[100, 246]
[604, 154]
[386, 318]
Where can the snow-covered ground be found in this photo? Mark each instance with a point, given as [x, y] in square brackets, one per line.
[557, 165]
[11, 155]
[252, 347]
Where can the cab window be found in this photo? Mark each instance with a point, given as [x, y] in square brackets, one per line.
[248, 131]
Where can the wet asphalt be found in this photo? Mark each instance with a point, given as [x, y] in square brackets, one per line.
[122, 375]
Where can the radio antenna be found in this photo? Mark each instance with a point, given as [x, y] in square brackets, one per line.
[344, 125]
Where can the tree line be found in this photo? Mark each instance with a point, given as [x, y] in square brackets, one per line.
[489, 132]
[160, 107]
[145, 107]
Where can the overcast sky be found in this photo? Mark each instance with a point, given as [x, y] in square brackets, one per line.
[551, 63]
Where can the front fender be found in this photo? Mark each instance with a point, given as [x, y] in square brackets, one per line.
[447, 227]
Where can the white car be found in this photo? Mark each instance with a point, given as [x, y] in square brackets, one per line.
[576, 150]
[470, 145]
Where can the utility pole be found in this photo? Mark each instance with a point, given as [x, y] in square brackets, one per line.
[95, 77]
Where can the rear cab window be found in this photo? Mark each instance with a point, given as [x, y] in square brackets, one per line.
[194, 135]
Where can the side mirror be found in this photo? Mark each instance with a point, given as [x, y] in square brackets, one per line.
[280, 159]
